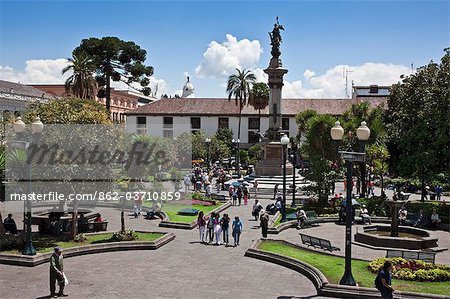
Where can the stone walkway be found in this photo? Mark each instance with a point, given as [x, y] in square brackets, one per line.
[183, 268]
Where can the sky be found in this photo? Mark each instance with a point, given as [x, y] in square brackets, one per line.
[324, 42]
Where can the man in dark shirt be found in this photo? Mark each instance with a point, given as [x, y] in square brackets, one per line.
[10, 225]
[57, 273]
[385, 281]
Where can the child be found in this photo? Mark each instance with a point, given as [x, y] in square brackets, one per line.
[201, 222]
[225, 223]
[217, 228]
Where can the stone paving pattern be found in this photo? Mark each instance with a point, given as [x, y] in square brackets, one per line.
[184, 268]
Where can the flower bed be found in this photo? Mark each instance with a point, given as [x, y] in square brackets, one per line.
[413, 269]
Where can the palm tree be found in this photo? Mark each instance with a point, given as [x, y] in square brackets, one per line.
[239, 86]
[259, 98]
[81, 84]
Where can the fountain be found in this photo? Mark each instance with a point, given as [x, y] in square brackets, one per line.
[404, 237]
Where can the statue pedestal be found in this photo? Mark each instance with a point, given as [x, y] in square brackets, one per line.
[394, 205]
[272, 162]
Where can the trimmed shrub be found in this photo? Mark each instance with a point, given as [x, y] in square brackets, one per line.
[128, 235]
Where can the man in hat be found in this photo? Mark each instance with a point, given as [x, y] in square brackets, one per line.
[365, 215]
[57, 273]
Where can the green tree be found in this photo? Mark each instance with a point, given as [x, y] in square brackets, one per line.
[417, 121]
[320, 150]
[117, 60]
[81, 83]
[72, 110]
[259, 98]
[198, 145]
[226, 135]
[239, 87]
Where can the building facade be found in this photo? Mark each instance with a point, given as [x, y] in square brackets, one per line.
[174, 116]
[122, 101]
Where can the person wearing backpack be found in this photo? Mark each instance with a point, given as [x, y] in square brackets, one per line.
[383, 281]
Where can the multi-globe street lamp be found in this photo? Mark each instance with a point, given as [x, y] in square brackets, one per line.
[363, 134]
[19, 128]
[284, 142]
[208, 157]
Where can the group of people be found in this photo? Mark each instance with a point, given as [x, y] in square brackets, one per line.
[422, 219]
[212, 228]
[239, 193]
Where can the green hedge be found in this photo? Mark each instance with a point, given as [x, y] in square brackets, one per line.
[442, 209]
[413, 269]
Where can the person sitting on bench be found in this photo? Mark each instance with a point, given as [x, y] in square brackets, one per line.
[10, 225]
[365, 215]
[301, 217]
[435, 220]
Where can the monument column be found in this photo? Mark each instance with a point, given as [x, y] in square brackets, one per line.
[271, 164]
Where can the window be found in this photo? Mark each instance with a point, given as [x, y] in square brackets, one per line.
[141, 127]
[253, 137]
[285, 124]
[168, 122]
[253, 123]
[223, 123]
[195, 123]
[168, 134]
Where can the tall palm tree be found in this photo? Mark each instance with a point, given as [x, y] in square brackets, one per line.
[259, 98]
[239, 86]
[81, 84]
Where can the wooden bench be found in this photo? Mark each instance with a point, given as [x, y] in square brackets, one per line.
[428, 257]
[318, 243]
[312, 219]
[218, 197]
[89, 227]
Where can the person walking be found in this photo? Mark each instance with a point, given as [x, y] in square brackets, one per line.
[264, 223]
[225, 224]
[275, 191]
[237, 230]
[57, 273]
[256, 209]
[246, 195]
[187, 183]
[234, 196]
[217, 228]
[239, 194]
[201, 223]
[211, 226]
[383, 281]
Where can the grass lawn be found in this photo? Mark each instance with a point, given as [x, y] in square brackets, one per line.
[44, 244]
[333, 269]
[172, 209]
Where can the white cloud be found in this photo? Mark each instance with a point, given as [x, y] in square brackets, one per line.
[308, 74]
[332, 83]
[37, 71]
[220, 60]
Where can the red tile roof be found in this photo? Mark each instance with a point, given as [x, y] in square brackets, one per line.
[221, 106]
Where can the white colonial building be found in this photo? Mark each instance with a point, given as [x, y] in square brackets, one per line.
[171, 117]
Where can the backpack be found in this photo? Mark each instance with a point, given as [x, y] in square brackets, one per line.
[378, 283]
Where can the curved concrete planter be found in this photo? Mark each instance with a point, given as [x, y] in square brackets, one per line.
[293, 223]
[324, 288]
[189, 225]
[396, 242]
[31, 261]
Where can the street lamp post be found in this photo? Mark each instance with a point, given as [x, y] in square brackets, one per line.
[284, 142]
[208, 145]
[363, 133]
[19, 127]
[236, 158]
[294, 164]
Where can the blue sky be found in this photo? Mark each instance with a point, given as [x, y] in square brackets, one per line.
[375, 40]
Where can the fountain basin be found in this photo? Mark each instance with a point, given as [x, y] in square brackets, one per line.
[409, 237]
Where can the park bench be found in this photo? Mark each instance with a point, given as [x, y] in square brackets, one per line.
[218, 197]
[312, 219]
[411, 219]
[317, 243]
[412, 255]
[89, 227]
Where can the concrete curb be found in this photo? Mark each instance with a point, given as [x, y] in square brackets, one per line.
[190, 225]
[35, 260]
[324, 288]
[293, 223]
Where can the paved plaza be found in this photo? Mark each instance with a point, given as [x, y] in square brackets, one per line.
[184, 268]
